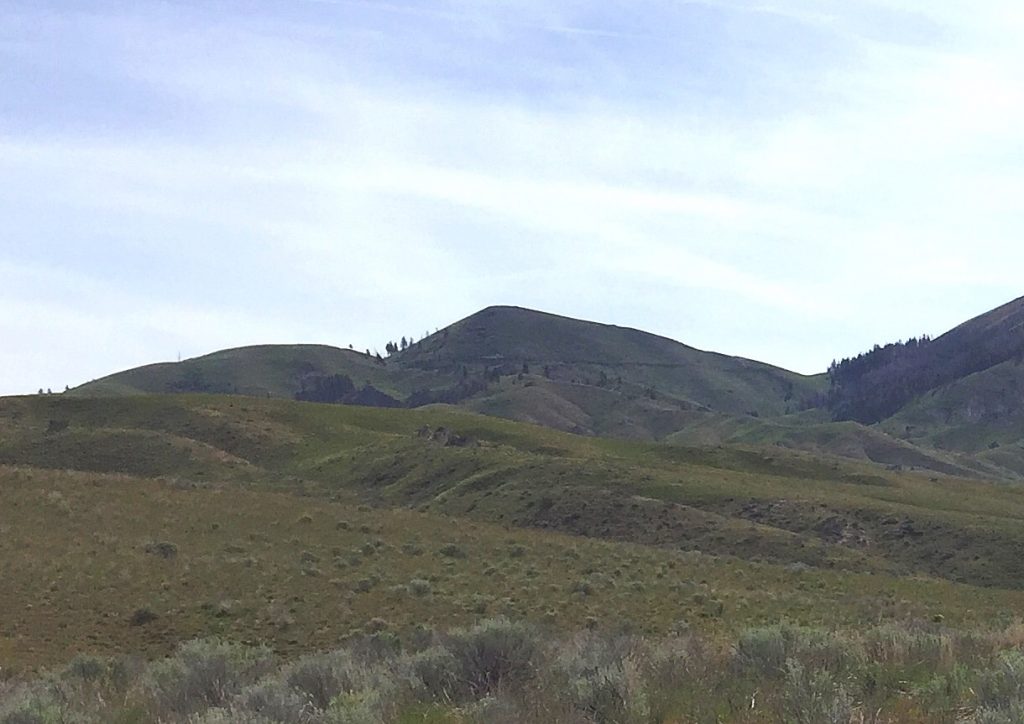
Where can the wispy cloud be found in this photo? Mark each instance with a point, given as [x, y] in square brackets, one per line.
[186, 175]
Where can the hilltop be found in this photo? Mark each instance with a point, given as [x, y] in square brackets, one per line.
[951, 405]
[570, 374]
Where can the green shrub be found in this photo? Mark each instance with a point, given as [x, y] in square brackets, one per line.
[436, 673]
[765, 651]
[904, 645]
[494, 653]
[323, 677]
[86, 668]
[30, 705]
[364, 707]
[1002, 687]
[201, 675]
[273, 699]
[1014, 714]
[228, 716]
[601, 678]
[813, 697]
[762, 650]
[420, 587]
[452, 550]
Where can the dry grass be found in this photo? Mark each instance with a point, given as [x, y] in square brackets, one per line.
[81, 554]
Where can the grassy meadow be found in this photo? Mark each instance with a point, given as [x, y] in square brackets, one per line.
[165, 539]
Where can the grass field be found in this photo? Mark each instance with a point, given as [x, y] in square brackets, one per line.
[132, 525]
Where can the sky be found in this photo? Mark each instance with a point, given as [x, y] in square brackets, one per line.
[785, 180]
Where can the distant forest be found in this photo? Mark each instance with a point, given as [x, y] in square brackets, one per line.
[875, 385]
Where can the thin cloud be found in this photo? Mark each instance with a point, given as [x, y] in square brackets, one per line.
[845, 173]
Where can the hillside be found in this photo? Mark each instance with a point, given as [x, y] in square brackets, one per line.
[876, 385]
[572, 375]
[757, 504]
[261, 371]
[915, 405]
[626, 361]
[137, 524]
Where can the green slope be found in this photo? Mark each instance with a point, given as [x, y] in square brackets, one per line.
[981, 415]
[475, 353]
[602, 380]
[778, 505]
[260, 371]
[840, 439]
[616, 358]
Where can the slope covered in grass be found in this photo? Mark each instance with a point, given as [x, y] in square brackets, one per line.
[110, 563]
[592, 378]
[611, 357]
[757, 504]
[261, 371]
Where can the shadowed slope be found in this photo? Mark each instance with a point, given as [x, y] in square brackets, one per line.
[617, 358]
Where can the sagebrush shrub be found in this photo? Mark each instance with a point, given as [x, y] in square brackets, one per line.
[436, 673]
[29, 704]
[201, 675]
[420, 587]
[1001, 688]
[324, 676]
[275, 700]
[898, 644]
[764, 651]
[813, 697]
[495, 653]
[602, 679]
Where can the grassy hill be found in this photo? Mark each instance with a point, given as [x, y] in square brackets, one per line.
[587, 364]
[754, 503]
[602, 380]
[133, 524]
[261, 371]
[620, 359]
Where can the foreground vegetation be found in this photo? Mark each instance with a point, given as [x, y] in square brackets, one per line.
[199, 554]
[500, 671]
[105, 564]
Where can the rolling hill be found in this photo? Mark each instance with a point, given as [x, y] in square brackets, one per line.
[135, 523]
[750, 502]
[215, 558]
[952, 405]
[573, 375]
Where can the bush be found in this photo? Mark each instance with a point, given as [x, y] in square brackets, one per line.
[365, 707]
[161, 549]
[765, 651]
[904, 645]
[29, 705]
[227, 716]
[420, 587]
[452, 550]
[762, 650]
[602, 679]
[323, 677]
[436, 674]
[274, 700]
[814, 698]
[86, 668]
[1012, 715]
[495, 653]
[1002, 687]
[201, 675]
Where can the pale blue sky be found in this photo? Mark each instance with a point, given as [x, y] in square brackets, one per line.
[788, 181]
